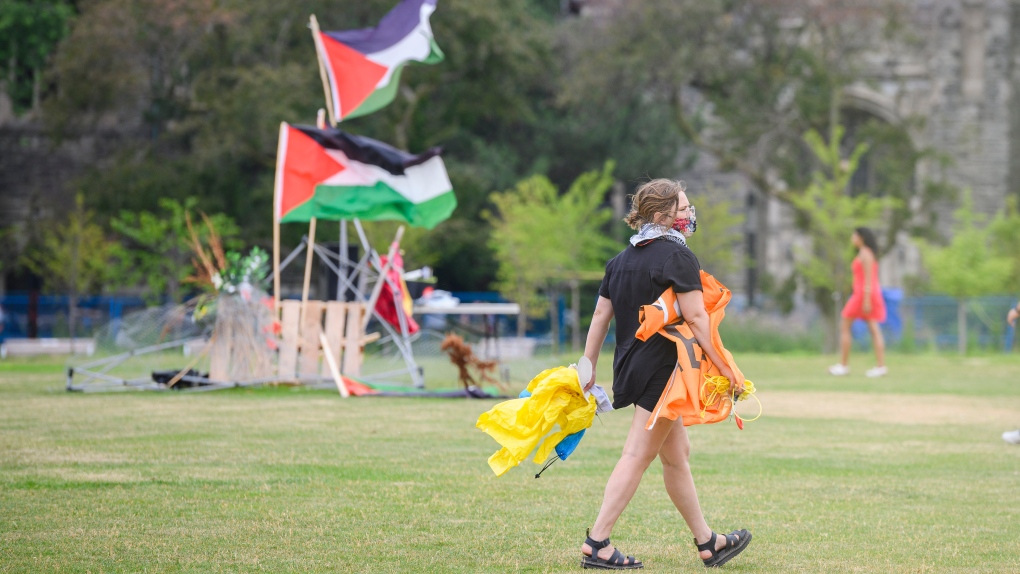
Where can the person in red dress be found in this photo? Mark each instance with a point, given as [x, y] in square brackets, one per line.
[865, 303]
[1013, 436]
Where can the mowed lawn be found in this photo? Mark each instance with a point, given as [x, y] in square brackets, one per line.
[902, 474]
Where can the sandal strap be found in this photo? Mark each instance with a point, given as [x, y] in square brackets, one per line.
[595, 544]
[734, 538]
[617, 559]
[710, 545]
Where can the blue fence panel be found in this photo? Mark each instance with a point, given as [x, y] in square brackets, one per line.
[892, 328]
[26, 314]
[936, 322]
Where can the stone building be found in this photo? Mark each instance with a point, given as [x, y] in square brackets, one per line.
[960, 76]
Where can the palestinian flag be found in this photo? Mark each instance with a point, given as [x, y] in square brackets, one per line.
[330, 174]
[364, 65]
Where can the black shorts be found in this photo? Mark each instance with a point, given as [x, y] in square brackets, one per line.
[653, 388]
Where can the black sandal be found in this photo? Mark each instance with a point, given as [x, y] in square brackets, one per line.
[736, 541]
[615, 562]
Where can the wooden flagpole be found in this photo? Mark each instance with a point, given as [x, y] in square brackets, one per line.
[313, 23]
[320, 122]
[280, 148]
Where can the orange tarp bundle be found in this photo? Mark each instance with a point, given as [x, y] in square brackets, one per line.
[683, 395]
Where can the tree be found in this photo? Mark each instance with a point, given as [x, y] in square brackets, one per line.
[198, 88]
[74, 257]
[968, 266]
[30, 31]
[718, 238]
[157, 247]
[828, 214]
[525, 222]
[744, 80]
[1005, 230]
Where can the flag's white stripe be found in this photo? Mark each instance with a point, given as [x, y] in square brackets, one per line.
[419, 183]
[416, 46]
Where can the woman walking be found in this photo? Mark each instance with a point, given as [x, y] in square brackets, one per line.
[1013, 436]
[656, 259]
[865, 303]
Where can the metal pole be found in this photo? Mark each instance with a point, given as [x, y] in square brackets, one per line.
[342, 274]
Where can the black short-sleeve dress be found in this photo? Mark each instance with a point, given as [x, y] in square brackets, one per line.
[636, 277]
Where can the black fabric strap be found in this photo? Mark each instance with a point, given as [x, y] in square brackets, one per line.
[596, 545]
[710, 545]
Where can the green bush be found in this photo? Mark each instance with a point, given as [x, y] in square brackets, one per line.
[759, 335]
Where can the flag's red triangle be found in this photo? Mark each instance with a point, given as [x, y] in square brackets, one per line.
[354, 76]
[357, 389]
[305, 165]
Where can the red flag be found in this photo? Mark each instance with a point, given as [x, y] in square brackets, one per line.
[395, 293]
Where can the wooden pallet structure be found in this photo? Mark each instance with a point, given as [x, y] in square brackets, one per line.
[329, 332]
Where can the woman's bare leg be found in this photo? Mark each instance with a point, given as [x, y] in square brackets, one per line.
[676, 473]
[879, 341]
[845, 340]
[639, 451]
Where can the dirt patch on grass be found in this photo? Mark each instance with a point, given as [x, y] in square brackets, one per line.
[891, 408]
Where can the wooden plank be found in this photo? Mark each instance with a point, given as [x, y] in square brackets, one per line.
[336, 313]
[308, 364]
[353, 353]
[289, 340]
[333, 370]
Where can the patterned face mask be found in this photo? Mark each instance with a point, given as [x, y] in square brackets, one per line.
[688, 226]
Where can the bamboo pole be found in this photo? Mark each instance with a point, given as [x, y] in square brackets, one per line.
[308, 269]
[334, 370]
[277, 185]
[313, 23]
[320, 122]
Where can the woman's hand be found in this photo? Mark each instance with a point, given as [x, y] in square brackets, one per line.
[866, 305]
[736, 383]
[586, 386]
[692, 307]
[1012, 316]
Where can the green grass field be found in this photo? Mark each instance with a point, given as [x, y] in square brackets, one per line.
[902, 474]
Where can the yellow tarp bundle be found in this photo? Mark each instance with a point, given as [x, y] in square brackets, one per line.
[519, 424]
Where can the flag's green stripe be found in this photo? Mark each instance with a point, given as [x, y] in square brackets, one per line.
[372, 203]
[383, 96]
[380, 98]
[435, 55]
[303, 212]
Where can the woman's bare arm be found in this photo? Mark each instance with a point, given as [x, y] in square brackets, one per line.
[692, 307]
[597, 334]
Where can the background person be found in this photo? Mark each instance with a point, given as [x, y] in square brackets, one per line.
[866, 303]
[1013, 436]
[657, 259]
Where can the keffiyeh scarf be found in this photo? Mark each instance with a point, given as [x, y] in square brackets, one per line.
[650, 232]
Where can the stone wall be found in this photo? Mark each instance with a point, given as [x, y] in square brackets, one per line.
[955, 84]
[37, 173]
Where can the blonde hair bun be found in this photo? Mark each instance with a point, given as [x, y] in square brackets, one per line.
[655, 196]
